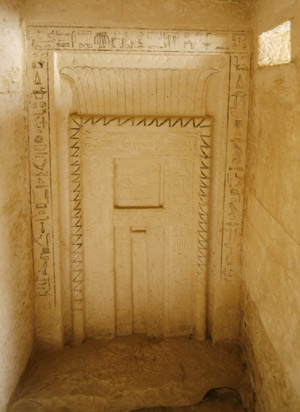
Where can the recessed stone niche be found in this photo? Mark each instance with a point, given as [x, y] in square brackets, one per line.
[137, 140]
[137, 198]
[137, 152]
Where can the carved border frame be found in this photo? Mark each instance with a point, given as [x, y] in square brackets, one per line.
[42, 42]
[204, 127]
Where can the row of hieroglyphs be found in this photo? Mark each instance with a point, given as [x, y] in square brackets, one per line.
[91, 38]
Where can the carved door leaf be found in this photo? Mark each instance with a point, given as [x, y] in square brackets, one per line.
[140, 193]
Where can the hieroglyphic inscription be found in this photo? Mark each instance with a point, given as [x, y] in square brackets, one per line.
[100, 39]
[41, 191]
[235, 167]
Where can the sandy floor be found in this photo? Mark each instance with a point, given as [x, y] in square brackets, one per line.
[126, 374]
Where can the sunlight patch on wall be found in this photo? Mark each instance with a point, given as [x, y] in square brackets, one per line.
[274, 46]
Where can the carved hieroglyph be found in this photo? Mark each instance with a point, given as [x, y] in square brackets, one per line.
[140, 232]
[45, 44]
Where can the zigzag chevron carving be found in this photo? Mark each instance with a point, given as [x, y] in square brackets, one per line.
[77, 280]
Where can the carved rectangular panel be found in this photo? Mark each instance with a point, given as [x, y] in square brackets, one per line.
[142, 199]
[98, 244]
[155, 273]
[138, 183]
[123, 281]
[139, 260]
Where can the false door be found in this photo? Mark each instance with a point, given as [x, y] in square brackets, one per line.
[144, 206]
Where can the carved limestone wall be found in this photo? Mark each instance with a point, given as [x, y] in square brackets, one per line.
[148, 73]
[16, 271]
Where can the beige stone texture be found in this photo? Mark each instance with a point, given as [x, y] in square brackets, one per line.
[169, 14]
[125, 374]
[219, 400]
[61, 72]
[271, 327]
[16, 272]
[124, 99]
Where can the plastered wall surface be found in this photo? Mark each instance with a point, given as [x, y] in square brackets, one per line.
[16, 309]
[169, 14]
[271, 327]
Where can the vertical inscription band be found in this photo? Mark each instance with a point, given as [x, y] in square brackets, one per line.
[235, 167]
[41, 196]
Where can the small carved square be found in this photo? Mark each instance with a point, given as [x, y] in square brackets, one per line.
[138, 182]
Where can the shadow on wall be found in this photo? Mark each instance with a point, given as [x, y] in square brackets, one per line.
[16, 283]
